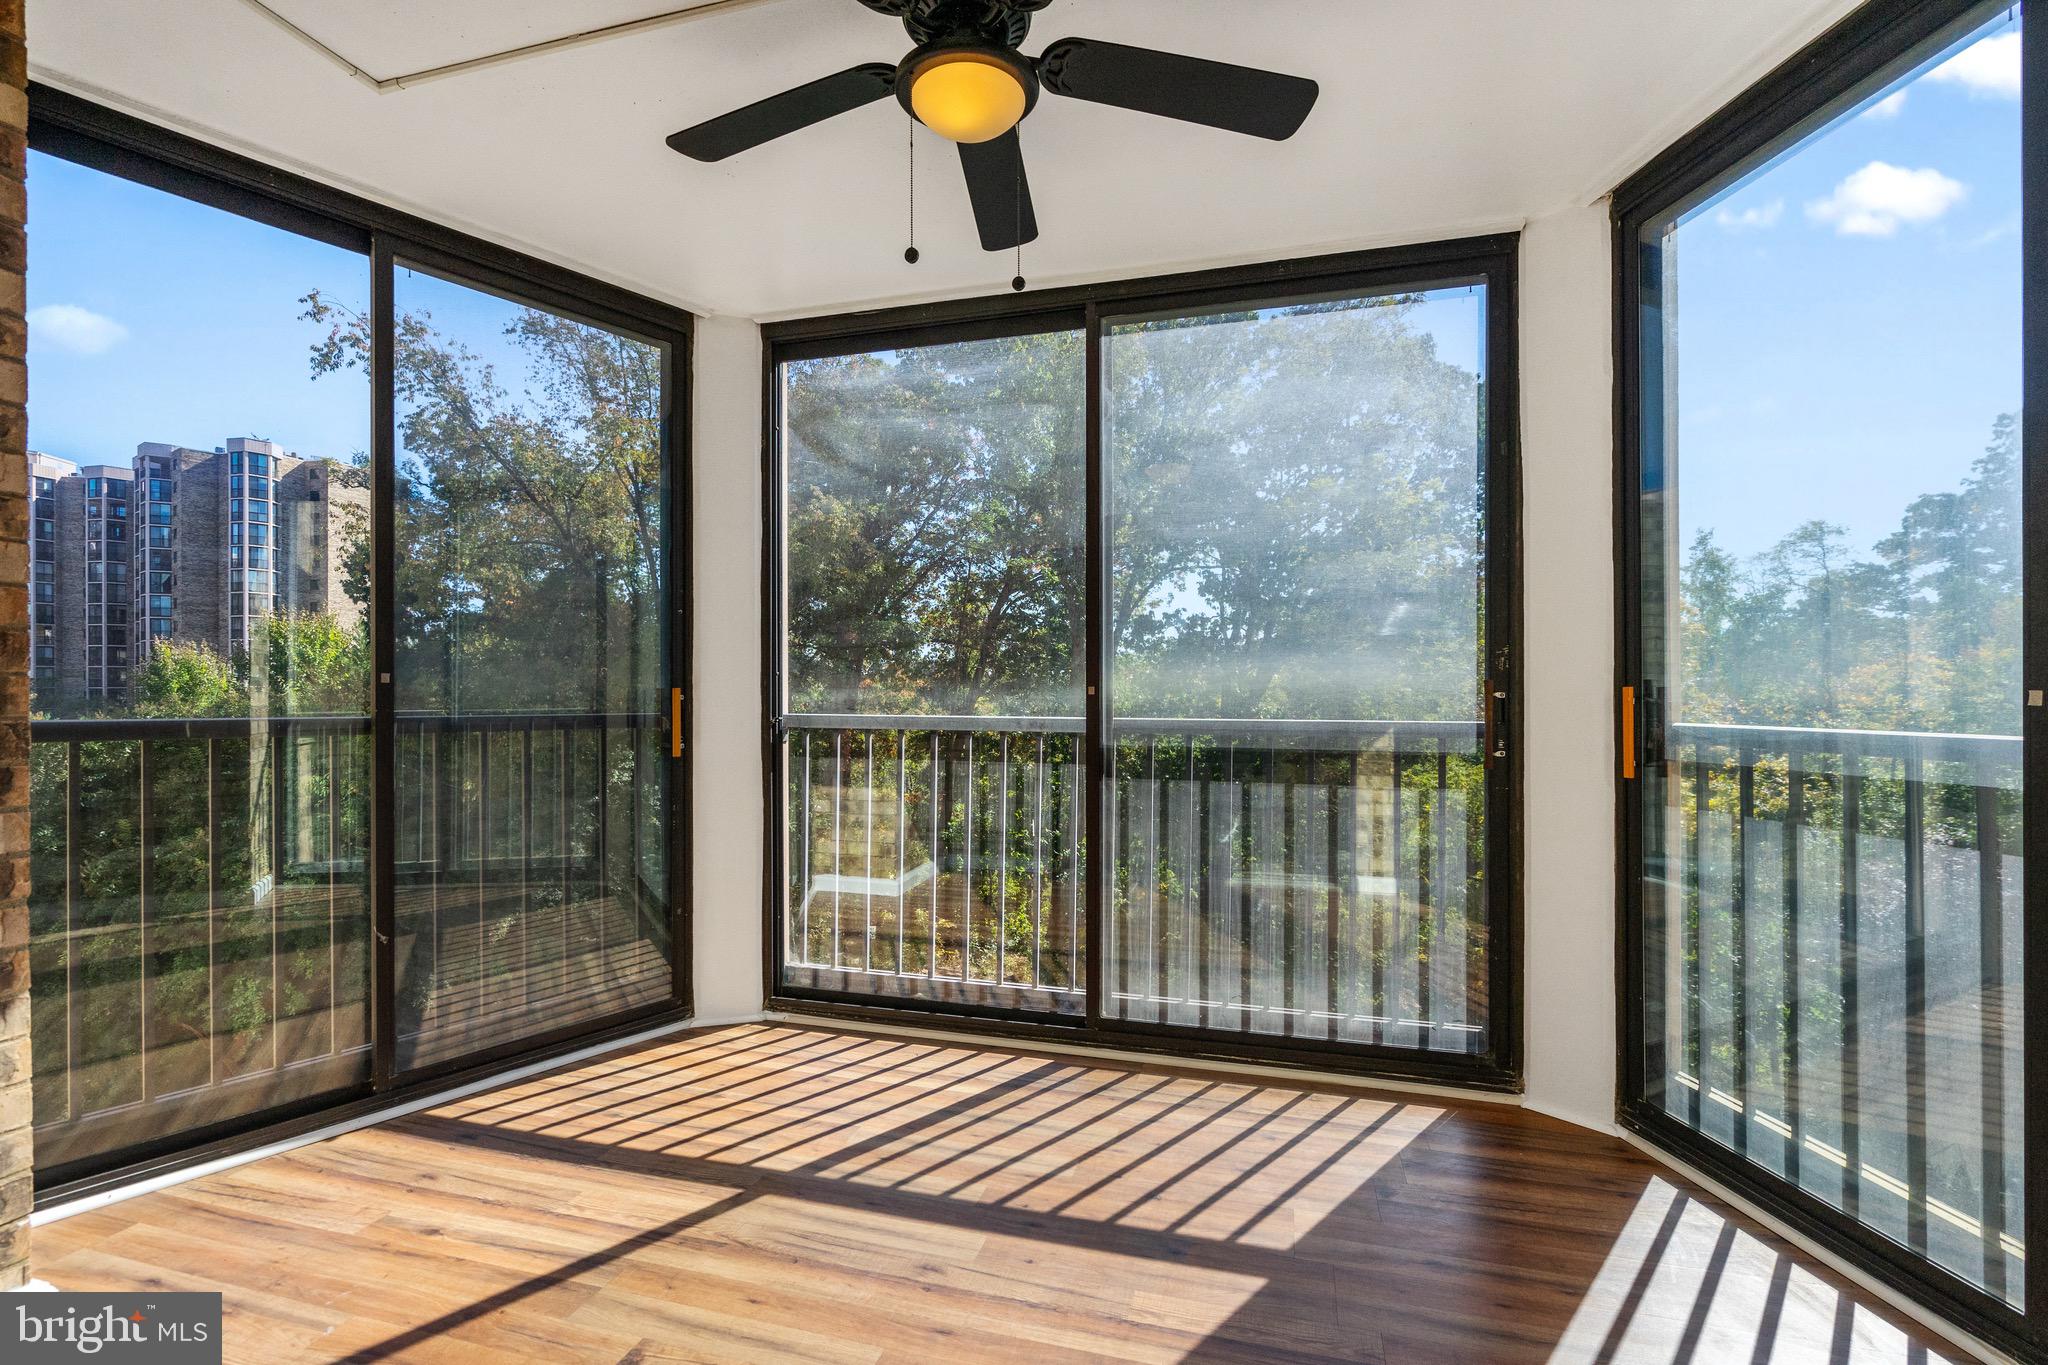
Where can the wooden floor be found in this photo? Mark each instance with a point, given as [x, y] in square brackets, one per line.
[768, 1192]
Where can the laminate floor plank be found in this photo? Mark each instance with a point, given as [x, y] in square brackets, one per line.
[775, 1192]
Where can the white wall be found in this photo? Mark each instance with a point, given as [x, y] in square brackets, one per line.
[725, 729]
[1567, 664]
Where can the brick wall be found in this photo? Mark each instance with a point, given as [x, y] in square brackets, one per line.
[15, 1133]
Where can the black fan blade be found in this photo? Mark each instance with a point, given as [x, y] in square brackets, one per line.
[1238, 99]
[765, 120]
[1001, 194]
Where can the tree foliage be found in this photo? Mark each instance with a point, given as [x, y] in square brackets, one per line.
[1294, 519]
[529, 520]
[1923, 633]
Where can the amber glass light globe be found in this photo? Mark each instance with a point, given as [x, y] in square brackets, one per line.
[967, 98]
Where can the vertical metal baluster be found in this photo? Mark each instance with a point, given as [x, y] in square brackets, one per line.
[565, 785]
[433, 754]
[1440, 892]
[1280, 784]
[1696, 969]
[486, 979]
[1197, 928]
[902, 839]
[1348, 973]
[1390, 927]
[145, 847]
[867, 836]
[1991, 1038]
[277, 866]
[1073, 822]
[74, 909]
[1242, 863]
[526, 908]
[1157, 851]
[838, 798]
[1333, 905]
[1851, 1051]
[214, 994]
[1745, 811]
[602, 848]
[803, 862]
[1425, 895]
[1003, 859]
[931, 964]
[333, 760]
[1038, 868]
[642, 735]
[1795, 822]
[1916, 1004]
[967, 891]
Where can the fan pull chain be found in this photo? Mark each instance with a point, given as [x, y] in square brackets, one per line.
[1017, 283]
[910, 252]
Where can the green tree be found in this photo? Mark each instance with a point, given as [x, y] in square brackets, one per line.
[528, 572]
[188, 678]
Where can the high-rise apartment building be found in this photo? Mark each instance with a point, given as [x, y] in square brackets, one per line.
[47, 620]
[181, 544]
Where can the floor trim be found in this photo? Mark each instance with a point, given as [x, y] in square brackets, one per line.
[99, 1199]
[1264, 1071]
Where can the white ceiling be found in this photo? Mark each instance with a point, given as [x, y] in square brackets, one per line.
[389, 38]
[1437, 118]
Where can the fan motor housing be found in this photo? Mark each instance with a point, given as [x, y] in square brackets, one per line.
[929, 21]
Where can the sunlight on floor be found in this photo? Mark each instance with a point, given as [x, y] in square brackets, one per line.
[1684, 1284]
[1199, 1157]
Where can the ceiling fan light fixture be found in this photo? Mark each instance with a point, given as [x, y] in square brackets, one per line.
[968, 95]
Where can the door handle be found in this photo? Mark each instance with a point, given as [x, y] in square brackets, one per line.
[675, 722]
[1628, 734]
[1495, 745]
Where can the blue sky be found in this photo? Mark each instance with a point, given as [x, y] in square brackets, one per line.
[154, 318]
[1849, 317]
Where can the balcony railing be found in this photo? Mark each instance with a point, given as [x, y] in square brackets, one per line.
[1303, 879]
[200, 914]
[1833, 939]
[936, 857]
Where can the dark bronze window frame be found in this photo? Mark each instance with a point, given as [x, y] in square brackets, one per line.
[91, 135]
[1883, 38]
[1492, 261]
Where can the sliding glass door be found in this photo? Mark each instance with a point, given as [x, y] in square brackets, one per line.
[530, 790]
[201, 915]
[933, 510]
[1827, 826]
[1297, 666]
[355, 649]
[1144, 661]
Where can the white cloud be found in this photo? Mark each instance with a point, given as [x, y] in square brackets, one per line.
[1873, 202]
[77, 330]
[1991, 67]
[1755, 216]
[1891, 106]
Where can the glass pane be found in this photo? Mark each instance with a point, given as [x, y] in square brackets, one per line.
[1296, 508]
[200, 913]
[1831, 616]
[935, 572]
[532, 678]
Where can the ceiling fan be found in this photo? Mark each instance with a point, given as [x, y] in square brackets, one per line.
[966, 80]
